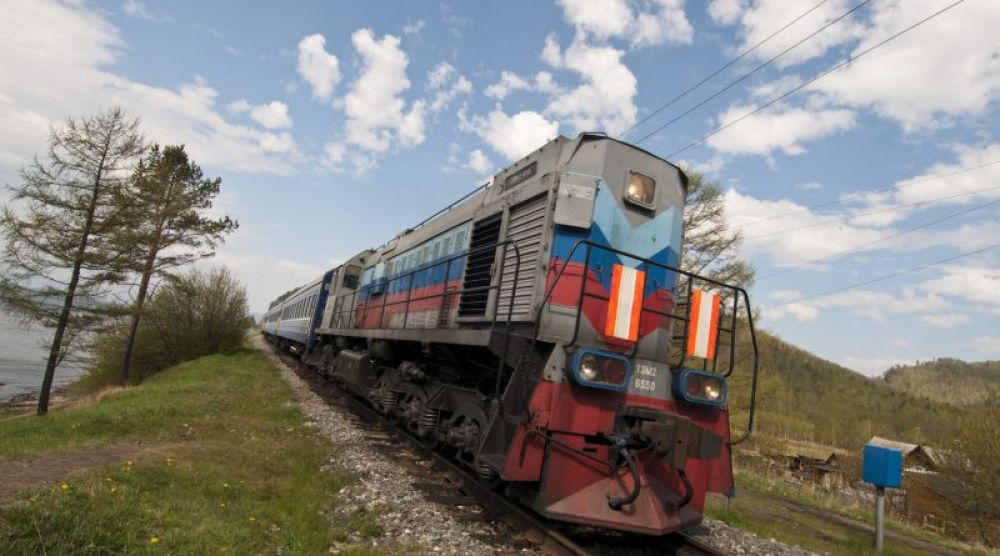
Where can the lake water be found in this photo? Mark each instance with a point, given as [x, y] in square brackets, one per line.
[22, 359]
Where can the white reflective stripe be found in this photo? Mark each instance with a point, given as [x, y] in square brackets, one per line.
[704, 325]
[626, 302]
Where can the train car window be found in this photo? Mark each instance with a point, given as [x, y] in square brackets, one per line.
[448, 241]
[460, 241]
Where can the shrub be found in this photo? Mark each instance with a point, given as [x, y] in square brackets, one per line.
[190, 315]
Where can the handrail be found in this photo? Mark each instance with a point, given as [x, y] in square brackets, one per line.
[386, 283]
[737, 292]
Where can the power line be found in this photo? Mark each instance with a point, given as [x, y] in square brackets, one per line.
[753, 71]
[722, 69]
[887, 276]
[819, 76]
[880, 240]
[869, 213]
[861, 194]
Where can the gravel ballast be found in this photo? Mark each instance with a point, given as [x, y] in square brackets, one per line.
[400, 488]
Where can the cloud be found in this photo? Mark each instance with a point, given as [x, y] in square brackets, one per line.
[946, 320]
[334, 155]
[870, 304]
[317, 67]
[136, 8]
[79, 46]
[605, 98]
[509, 81]
[927, 186]
[478, 162]
[976, 284]
[265, 276]
[273, 115]
[760, 18]
[377, 115]
[512, 136]
[652, 23]
[927, 78]
[446, 84]
[775, 237]
[413, 30]
[778, 130]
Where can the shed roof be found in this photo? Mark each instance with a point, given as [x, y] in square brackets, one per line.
[907, 448]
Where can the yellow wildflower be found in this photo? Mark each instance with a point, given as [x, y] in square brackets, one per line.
[154, 540]
[65, 487]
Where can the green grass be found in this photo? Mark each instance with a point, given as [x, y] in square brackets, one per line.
[228, 467]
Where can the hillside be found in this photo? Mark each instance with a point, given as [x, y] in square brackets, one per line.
[950, 381]
[806, 397]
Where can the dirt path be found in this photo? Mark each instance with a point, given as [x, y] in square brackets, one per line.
[39, 471]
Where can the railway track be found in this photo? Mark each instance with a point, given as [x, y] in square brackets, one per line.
[547, 537]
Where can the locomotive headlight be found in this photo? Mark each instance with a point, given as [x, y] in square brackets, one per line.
[589, 367]
[641, 190]
[601, 369]
[700, 387]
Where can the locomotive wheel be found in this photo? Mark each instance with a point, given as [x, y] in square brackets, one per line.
[466, 429]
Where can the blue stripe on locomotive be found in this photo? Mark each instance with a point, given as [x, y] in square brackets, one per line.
[426, 275]
[658, 240]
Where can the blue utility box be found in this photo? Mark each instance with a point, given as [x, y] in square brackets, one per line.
[882, 466]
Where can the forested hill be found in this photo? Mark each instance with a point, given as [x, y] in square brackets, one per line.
[803, 396]
[950, 381]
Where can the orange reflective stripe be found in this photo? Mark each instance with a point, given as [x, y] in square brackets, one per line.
[633, 329]
[692, 324]
[624, 303]
[703, 327]
[609, 321]
[713, 328]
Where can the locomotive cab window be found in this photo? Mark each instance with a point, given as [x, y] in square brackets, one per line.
[641, 190]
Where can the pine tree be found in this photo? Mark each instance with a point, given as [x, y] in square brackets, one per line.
[168, 201]
[59, 258]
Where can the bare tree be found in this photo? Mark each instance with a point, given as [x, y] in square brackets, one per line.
[59, 227]
[710, 245]
[168, 227]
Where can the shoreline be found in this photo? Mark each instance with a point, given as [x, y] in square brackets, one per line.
[26, 400]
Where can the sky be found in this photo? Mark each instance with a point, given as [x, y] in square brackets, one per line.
[335, 125]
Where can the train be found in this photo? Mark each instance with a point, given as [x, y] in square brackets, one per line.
[541, 331]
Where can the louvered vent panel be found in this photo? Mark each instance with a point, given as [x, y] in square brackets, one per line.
[527, 230]
[477, 269]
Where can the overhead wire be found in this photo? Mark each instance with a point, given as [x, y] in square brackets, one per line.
[880, 240]
[810, 81]
[726, 66]
[887, 276]
[759, 67]
[869, 213]
[862, 194]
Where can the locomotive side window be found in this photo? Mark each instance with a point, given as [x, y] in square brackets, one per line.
[641, 190]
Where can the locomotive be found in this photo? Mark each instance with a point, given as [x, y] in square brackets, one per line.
[541, 331]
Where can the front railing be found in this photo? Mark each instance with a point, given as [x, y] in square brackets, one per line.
[679, 312]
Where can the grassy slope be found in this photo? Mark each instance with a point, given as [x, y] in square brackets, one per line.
[234, 471]
[949, 381]
[804, 396]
